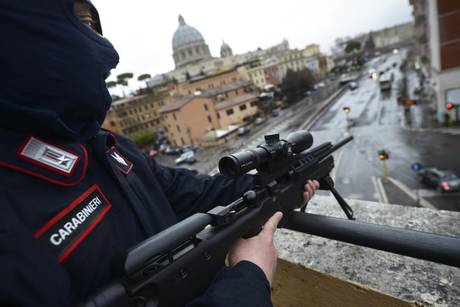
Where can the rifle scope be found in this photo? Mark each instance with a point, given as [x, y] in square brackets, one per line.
[239, 163]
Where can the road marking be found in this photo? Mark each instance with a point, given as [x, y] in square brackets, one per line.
[382, 191]
[377, 190]
[336, 164]
[423, 202]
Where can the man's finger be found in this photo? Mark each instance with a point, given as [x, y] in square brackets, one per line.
[271, 225]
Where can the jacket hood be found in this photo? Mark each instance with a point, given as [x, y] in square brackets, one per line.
[53, 70]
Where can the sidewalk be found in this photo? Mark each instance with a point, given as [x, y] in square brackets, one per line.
[421, 116]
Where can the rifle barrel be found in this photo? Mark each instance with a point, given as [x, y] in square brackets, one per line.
[341, 143]
[416, 244]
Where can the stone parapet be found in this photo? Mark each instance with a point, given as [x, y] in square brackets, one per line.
[407, 279]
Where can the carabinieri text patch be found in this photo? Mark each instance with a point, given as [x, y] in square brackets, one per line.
[65, 231]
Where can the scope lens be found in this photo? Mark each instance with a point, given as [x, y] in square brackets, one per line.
[229, 166]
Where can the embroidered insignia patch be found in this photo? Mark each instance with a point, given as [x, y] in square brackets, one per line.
[49, 156]
[64, 232]
[122, 163]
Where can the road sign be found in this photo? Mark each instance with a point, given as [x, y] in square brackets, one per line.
[416, 167]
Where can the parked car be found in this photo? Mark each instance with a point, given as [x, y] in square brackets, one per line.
[186, 157]
[243, 130]
[260, 120]
[275, 113]
[442, 181]
[173, 151]
[193, 148]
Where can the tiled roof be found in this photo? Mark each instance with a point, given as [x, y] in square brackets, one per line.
[127, 99]
[230, 102]
[176, 104]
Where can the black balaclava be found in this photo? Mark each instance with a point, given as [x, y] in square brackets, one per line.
[52, 71]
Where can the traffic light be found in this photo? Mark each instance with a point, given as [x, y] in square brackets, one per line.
[409, 102]
[346, 109]
[383, 155]
[449, 106]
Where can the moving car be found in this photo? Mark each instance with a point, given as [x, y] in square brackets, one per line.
[353, 85]
[385, 83]
[442, 181]
[186, 157]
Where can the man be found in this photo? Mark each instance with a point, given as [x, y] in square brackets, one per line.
[75, 198]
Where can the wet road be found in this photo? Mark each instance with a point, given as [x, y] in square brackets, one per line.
[378, 125]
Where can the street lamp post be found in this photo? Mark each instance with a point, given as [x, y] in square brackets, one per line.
[347, 110]
[384, 155]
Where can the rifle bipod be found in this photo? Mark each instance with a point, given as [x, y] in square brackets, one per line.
[327, 183]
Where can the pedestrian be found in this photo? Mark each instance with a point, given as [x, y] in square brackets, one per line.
[447, 119]
[74, 198]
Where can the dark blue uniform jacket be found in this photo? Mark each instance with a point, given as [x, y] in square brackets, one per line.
[70, 211]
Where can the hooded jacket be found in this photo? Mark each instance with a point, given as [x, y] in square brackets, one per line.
[74, 198]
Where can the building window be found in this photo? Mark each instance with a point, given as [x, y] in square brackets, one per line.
[205, 107]
[218, 115]
[242, 107]
[112, 123]
[253, 103]
[236, 92]
[182, 140]
[209, 119]
[229, 111]
[174, 116]
[178, 128]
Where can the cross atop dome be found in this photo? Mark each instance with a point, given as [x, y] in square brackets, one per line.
[181, 20]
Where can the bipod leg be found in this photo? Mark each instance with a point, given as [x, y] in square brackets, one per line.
[329, 184]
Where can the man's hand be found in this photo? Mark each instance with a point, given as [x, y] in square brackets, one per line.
[260, 249]
[309, 190]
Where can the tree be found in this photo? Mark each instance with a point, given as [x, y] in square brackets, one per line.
[296, 83]
[352, 46]
[144, 139]
[144, 77]
[369, 45]
[122, 79]
[111, 84]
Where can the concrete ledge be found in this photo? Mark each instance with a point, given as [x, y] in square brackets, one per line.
[405, 278]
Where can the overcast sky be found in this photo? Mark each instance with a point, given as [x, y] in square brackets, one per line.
[142, 30]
